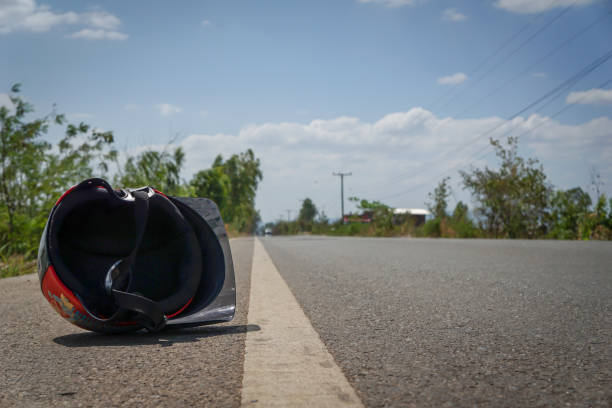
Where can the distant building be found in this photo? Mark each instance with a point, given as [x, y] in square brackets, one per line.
[417, 214]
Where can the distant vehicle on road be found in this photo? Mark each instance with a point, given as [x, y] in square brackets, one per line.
[268, 232]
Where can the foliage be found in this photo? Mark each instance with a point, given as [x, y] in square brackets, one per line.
[460, 213]
[439, 199]
[512, 201]
[159, 169]
[308, 212]
[432, 228]
[240, 175]
[598, 224]
[381, 215]
[460, 223]
[15, 265]
[282, 227]
[212, 183]
[33, 174]
[569, 212]
[231, 184]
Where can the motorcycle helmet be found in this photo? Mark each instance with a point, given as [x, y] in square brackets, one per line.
[117, 260]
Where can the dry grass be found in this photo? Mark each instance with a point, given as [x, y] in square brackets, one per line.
[15, 265]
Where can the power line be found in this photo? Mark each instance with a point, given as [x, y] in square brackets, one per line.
[569, 82]
[556, 114]
[509, 40]
[513, 52]
[488, 146]
[552, 94]
[488, 58]
[536, 63]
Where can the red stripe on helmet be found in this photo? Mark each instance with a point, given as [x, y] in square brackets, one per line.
[180, 310]
[159, 192]
[65, 194]
[70, 190]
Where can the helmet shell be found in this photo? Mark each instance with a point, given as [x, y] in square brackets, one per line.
[215, 297]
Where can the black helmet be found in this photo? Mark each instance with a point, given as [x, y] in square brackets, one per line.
[121, 260]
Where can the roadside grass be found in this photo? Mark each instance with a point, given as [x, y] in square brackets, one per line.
[434, 228]
[234, 233]
[16, 265]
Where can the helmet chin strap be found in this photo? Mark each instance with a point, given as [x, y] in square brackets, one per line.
[119, 278]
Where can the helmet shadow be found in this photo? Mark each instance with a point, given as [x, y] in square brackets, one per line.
[165, 338]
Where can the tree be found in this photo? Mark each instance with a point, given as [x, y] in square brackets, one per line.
[159, 169]
[382, 214]
[568, 213]
[212, 183]
[460, 223]
[600, 222]
[233, 185]
[460, 213]
[512, 199]
[33, 174]
[244, 173]
[439, 199]
[308, 212]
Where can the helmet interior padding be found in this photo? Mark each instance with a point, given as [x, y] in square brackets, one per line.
[93, 228]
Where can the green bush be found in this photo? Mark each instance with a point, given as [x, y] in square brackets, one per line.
[431, 228]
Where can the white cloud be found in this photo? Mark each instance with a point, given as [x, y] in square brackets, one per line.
[451, 14]
[205, 23]
[537, 6]
[27, 15]
[393, 3]
[101, 19]
[89, 34]
[412, 144]
[591, 97]
[167, 109]
[539, 75]
[453, 79]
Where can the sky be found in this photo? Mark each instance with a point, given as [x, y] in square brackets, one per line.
[400, 93]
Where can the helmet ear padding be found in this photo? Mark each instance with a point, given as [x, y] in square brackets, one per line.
[91, 228]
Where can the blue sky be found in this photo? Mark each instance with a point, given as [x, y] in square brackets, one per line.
[383, 88]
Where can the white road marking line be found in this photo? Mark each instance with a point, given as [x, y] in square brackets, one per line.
[286, 364]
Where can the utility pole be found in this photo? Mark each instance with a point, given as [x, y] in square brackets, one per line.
[342, 175]
[288, 215]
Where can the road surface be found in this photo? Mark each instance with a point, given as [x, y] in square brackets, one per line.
[401, 322]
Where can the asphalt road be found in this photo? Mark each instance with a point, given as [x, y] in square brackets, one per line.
[459, 322]
[410, 322]
[46, 361]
